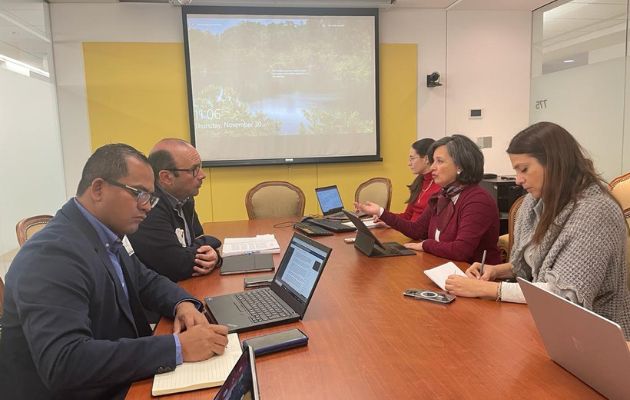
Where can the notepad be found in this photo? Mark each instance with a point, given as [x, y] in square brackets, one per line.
[249, 245]
[439, 274]
[199, 375]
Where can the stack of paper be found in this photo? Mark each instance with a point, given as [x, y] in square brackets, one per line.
[248, 245]
[369, 222]
[441, 272]
[199, 375]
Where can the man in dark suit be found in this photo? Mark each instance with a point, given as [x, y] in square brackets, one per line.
[73, 325]
[171, 241]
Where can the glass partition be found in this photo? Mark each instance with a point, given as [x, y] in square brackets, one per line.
[579, 75]
[30, 144]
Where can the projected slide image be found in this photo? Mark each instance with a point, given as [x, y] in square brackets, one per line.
[267, 76]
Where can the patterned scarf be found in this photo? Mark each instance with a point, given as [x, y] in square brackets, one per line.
[441, 203]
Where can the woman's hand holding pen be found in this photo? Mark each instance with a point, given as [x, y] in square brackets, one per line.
[468, 287]
[489, 272]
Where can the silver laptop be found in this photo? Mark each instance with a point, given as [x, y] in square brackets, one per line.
[589, 346]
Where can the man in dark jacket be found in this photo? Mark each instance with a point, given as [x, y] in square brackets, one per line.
[73, 326]
[170, 240]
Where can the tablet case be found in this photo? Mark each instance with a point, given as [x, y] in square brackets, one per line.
[275, 342]
[247, 263]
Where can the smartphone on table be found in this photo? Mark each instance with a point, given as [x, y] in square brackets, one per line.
[429, 295]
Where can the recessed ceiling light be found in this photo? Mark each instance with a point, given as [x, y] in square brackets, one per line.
[568, 61]
[21, 67]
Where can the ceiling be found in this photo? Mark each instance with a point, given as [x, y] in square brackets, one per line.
[580, 32]
[24, 36]
[570, 27]
[527, 5]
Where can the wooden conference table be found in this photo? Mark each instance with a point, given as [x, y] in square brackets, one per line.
[367, 341]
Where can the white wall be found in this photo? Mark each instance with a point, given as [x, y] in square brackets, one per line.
[493, 74]
[72, 24]
[30, 153]
[488, 67]
[484, 61]
[427, 29]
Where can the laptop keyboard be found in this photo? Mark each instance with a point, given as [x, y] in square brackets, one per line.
[261, 305]
[332, 225]
[396, 248]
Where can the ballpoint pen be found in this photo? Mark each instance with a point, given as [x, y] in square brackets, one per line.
[483, 262]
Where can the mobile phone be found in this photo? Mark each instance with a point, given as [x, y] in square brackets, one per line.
[258, 281]
[278, 341]
[430, 295]
[350, 240]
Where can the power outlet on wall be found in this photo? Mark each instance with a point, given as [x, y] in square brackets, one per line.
[484, 142]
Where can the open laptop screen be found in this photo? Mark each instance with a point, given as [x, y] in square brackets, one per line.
[329, 199]
[301, 267]
[242, 382]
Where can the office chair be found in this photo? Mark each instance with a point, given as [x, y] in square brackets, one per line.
[620, 189]
[272, 199]
[1, 300]
[376, 190]
[506, 241]
[29, 226]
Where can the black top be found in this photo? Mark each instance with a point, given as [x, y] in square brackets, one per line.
[158, 246]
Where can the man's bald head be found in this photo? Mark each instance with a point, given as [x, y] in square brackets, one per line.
[169, 144]
[170, 158]
[162, 156]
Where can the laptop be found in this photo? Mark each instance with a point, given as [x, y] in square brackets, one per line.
[330, 202]
[369, 245]
[584, 343]
[286, 298]
[242, 382]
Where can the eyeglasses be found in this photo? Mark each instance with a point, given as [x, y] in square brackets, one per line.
[193, 170]
[142, 197]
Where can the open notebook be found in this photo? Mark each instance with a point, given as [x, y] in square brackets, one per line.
[199, 375]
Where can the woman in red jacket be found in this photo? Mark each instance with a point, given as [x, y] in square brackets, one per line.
[462, 219]
[423, 187]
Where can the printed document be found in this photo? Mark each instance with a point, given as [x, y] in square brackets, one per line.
[249, 245]
[369, 222]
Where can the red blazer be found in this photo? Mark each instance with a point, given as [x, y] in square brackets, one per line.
[414, 210]
[473, 228]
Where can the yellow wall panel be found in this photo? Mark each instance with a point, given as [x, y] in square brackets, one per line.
[137, 95]
[136, 92]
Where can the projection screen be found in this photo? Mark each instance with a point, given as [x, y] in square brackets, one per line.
[282, 85]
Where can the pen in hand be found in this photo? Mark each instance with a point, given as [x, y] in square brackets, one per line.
[483, 262]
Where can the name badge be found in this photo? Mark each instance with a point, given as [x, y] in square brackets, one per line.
[179, 232]
[127, 245]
